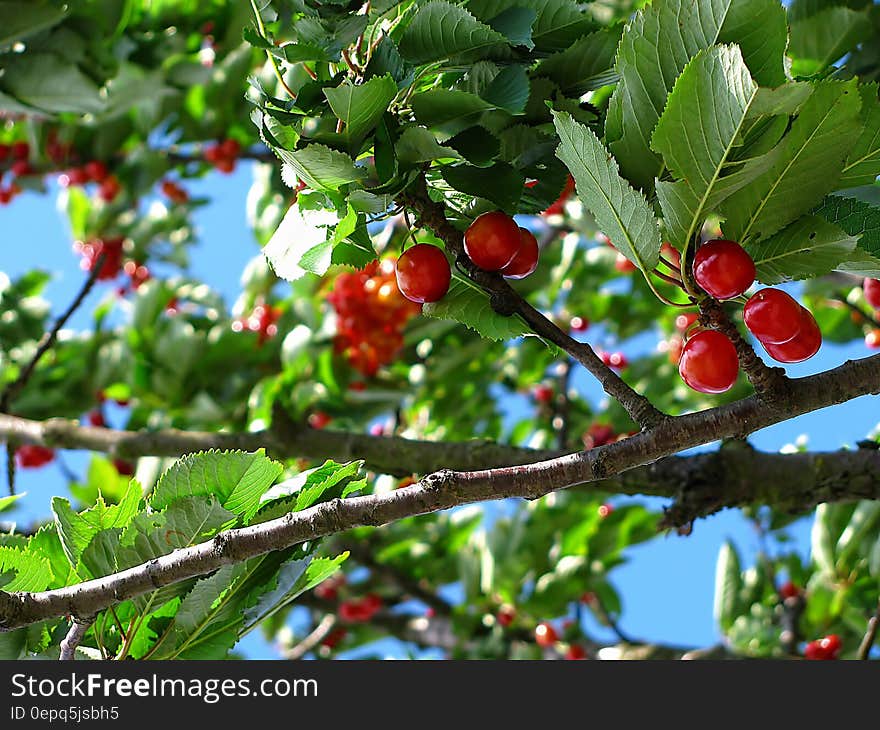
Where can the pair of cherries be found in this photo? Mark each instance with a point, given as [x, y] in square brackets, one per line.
[787, 330]
[494, 242]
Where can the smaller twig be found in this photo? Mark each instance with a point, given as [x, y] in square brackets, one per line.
[560, 420]
[48, 339]
[671, 266]
[75, 635]
[315, 637]
[352, 66]
[10, 468]
[870, 634]
[670, 280]
[873, 321]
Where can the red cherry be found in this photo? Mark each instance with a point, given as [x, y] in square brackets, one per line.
[623, 264]
[871, 288]
[542, 393]
[526, 259]
[789, 590]
[723, 268]
[872, 339]
[492, 240]
[824, 649]
[96, 171]
[616, 360]
[505, 616]
[801, 347]
[684, 321]
[33, 456]
[772, 316]
[77, 176]
[332, 640]
[671, 253]
[20, 168]
[575, 653]
[605, 510]
[109, 189]
[709, 363]
[598, 434]
[96, 418]
[230, 148]
[423, 273]
[5, 150]
[319, 420]
[579, 324]
[125, 468]
[545, 635]
[20, 150]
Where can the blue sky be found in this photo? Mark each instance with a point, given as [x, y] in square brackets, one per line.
[667, 585]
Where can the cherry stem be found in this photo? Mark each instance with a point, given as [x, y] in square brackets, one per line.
[675, 281]
[670, 265]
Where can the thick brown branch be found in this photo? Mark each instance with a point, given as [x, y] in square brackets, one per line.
[505, 300]
[444, 489]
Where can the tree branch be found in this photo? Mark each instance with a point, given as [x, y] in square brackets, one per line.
[75, 635]
[870, 634]
[506, 301]
[315, 637]
[445, 489]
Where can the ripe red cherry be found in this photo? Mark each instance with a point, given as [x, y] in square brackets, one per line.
[109, 189]
[492, 240]
[826, 648]
[623, 264]
[871, 288]
[872, 339]
[319, 420]
[545, 635]
[789, 590]
[526, 259]
[708, 362]
[33, 456]
[542, 393]
[803, 345]
[723, 268]
[96, 171]
[576, 652]
[505, 615]
[423, 273]
[684, 321]
[20, 150]
[605, 510]
[579, 324]
[772, 316]
[96, 418]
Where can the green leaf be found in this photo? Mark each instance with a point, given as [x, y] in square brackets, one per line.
[728, 582]
[585, 63]
[299, 232]
[470, 306]
[18, 20]
[821, 39]
[32, 572]
[51, 83]
[856, 217]
[863, 160]
[622, 213]
[308, 488]
[501, 183]
[76, 530]
[440, 30]
[9, 502]
[809, 247]
[819, 140]
[417, 144]
[823, 539]
[361, 107]
[475, 144]
[282, 592]
[509, 90]
[322, 168]
[448, 107]
[238, 479]
[697, 133]
[656, 46]
[515, 24]
[557, 23]
[860, 534]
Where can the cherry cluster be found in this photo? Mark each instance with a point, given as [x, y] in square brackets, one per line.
[871, 288]
[494, 242]
[33, 456]
[223, 155]
[261, 320]
[787, 330]
[94, 171]
[371, 313]
[92, 251]
[15, 156]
